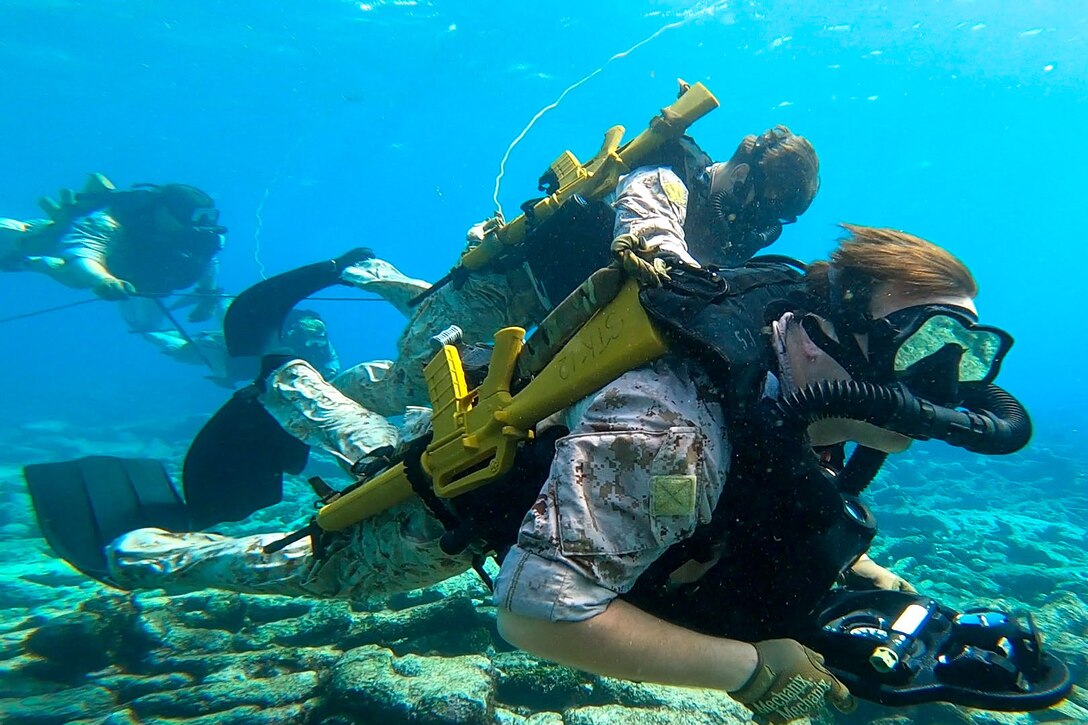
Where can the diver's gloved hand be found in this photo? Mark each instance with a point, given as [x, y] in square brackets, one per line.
[114, 289]
[791, 682]
[207, 306]
[631, 253]
[867, 574]
[355, 256]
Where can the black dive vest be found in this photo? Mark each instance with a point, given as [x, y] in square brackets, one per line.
[569, 246]
[782, 528]
[153, 261]
[163, 264]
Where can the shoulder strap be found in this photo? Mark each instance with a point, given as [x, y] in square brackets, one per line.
[720, 318]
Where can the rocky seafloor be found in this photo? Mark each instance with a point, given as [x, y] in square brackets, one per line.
[1008, 531]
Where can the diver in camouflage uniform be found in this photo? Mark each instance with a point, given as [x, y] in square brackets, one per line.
[149, 240]
[775, 173]
[694, 209]
[304, 334]
[646, 461]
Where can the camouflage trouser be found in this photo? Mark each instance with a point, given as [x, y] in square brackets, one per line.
[482, 305]
[312, 410]
[396, 550]
[25, 246]
[381, 278]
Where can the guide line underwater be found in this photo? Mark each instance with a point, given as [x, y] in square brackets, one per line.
[702, 10]
[196, 295]
[686, 17]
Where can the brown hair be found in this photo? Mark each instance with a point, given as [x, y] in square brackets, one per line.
[789, 165]
[869, 255]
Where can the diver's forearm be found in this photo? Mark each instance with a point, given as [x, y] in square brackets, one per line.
[208, 281]
[82, 273]
[627, 643]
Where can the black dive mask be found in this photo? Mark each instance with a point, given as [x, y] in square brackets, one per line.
[206, 220]
[931, 349]
[934, 349]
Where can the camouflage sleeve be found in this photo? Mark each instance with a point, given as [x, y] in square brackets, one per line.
[651, 204]
[90, 237]
[642, 467]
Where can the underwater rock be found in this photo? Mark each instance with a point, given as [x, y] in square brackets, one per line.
[373, 684]
[890, 720]
[702, 705]
[524, 680]
[17, 593]
[75, 644]
[915, 546]
[263, 609]
[326, 622]
[208, 697]
[612, 714]
[390, 627]
[210, 610]
[59, 708]
[1025, 582]
[506, 717]
[246, 715]
[258, 664]
[129, 687]
[103, 631]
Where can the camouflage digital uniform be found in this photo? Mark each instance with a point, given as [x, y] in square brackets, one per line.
[481, 305]
[644, 463]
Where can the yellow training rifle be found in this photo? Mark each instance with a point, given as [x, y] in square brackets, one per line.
[593, 180]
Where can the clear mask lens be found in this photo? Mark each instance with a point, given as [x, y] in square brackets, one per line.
[980, 347]
[204, 217]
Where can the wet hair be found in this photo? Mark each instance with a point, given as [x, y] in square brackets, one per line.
[867, 256]
[787, 165]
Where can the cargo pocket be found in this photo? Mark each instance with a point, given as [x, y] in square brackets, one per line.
[678, 497]
[623, 493]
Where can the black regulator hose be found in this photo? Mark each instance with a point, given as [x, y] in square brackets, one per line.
[992, 422]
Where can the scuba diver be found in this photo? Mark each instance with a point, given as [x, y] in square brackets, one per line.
[677, 205]
[149, 240]
[666, 521]
[660, 469]
[304, 336]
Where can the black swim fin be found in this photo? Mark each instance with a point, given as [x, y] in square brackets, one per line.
[254, 320]
[236, 463]
[83, 505]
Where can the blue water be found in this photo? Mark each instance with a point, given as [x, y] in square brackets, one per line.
[323, 125]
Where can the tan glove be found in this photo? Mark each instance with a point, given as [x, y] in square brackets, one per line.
[114, 289]
[791, 682]
[648, 272]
